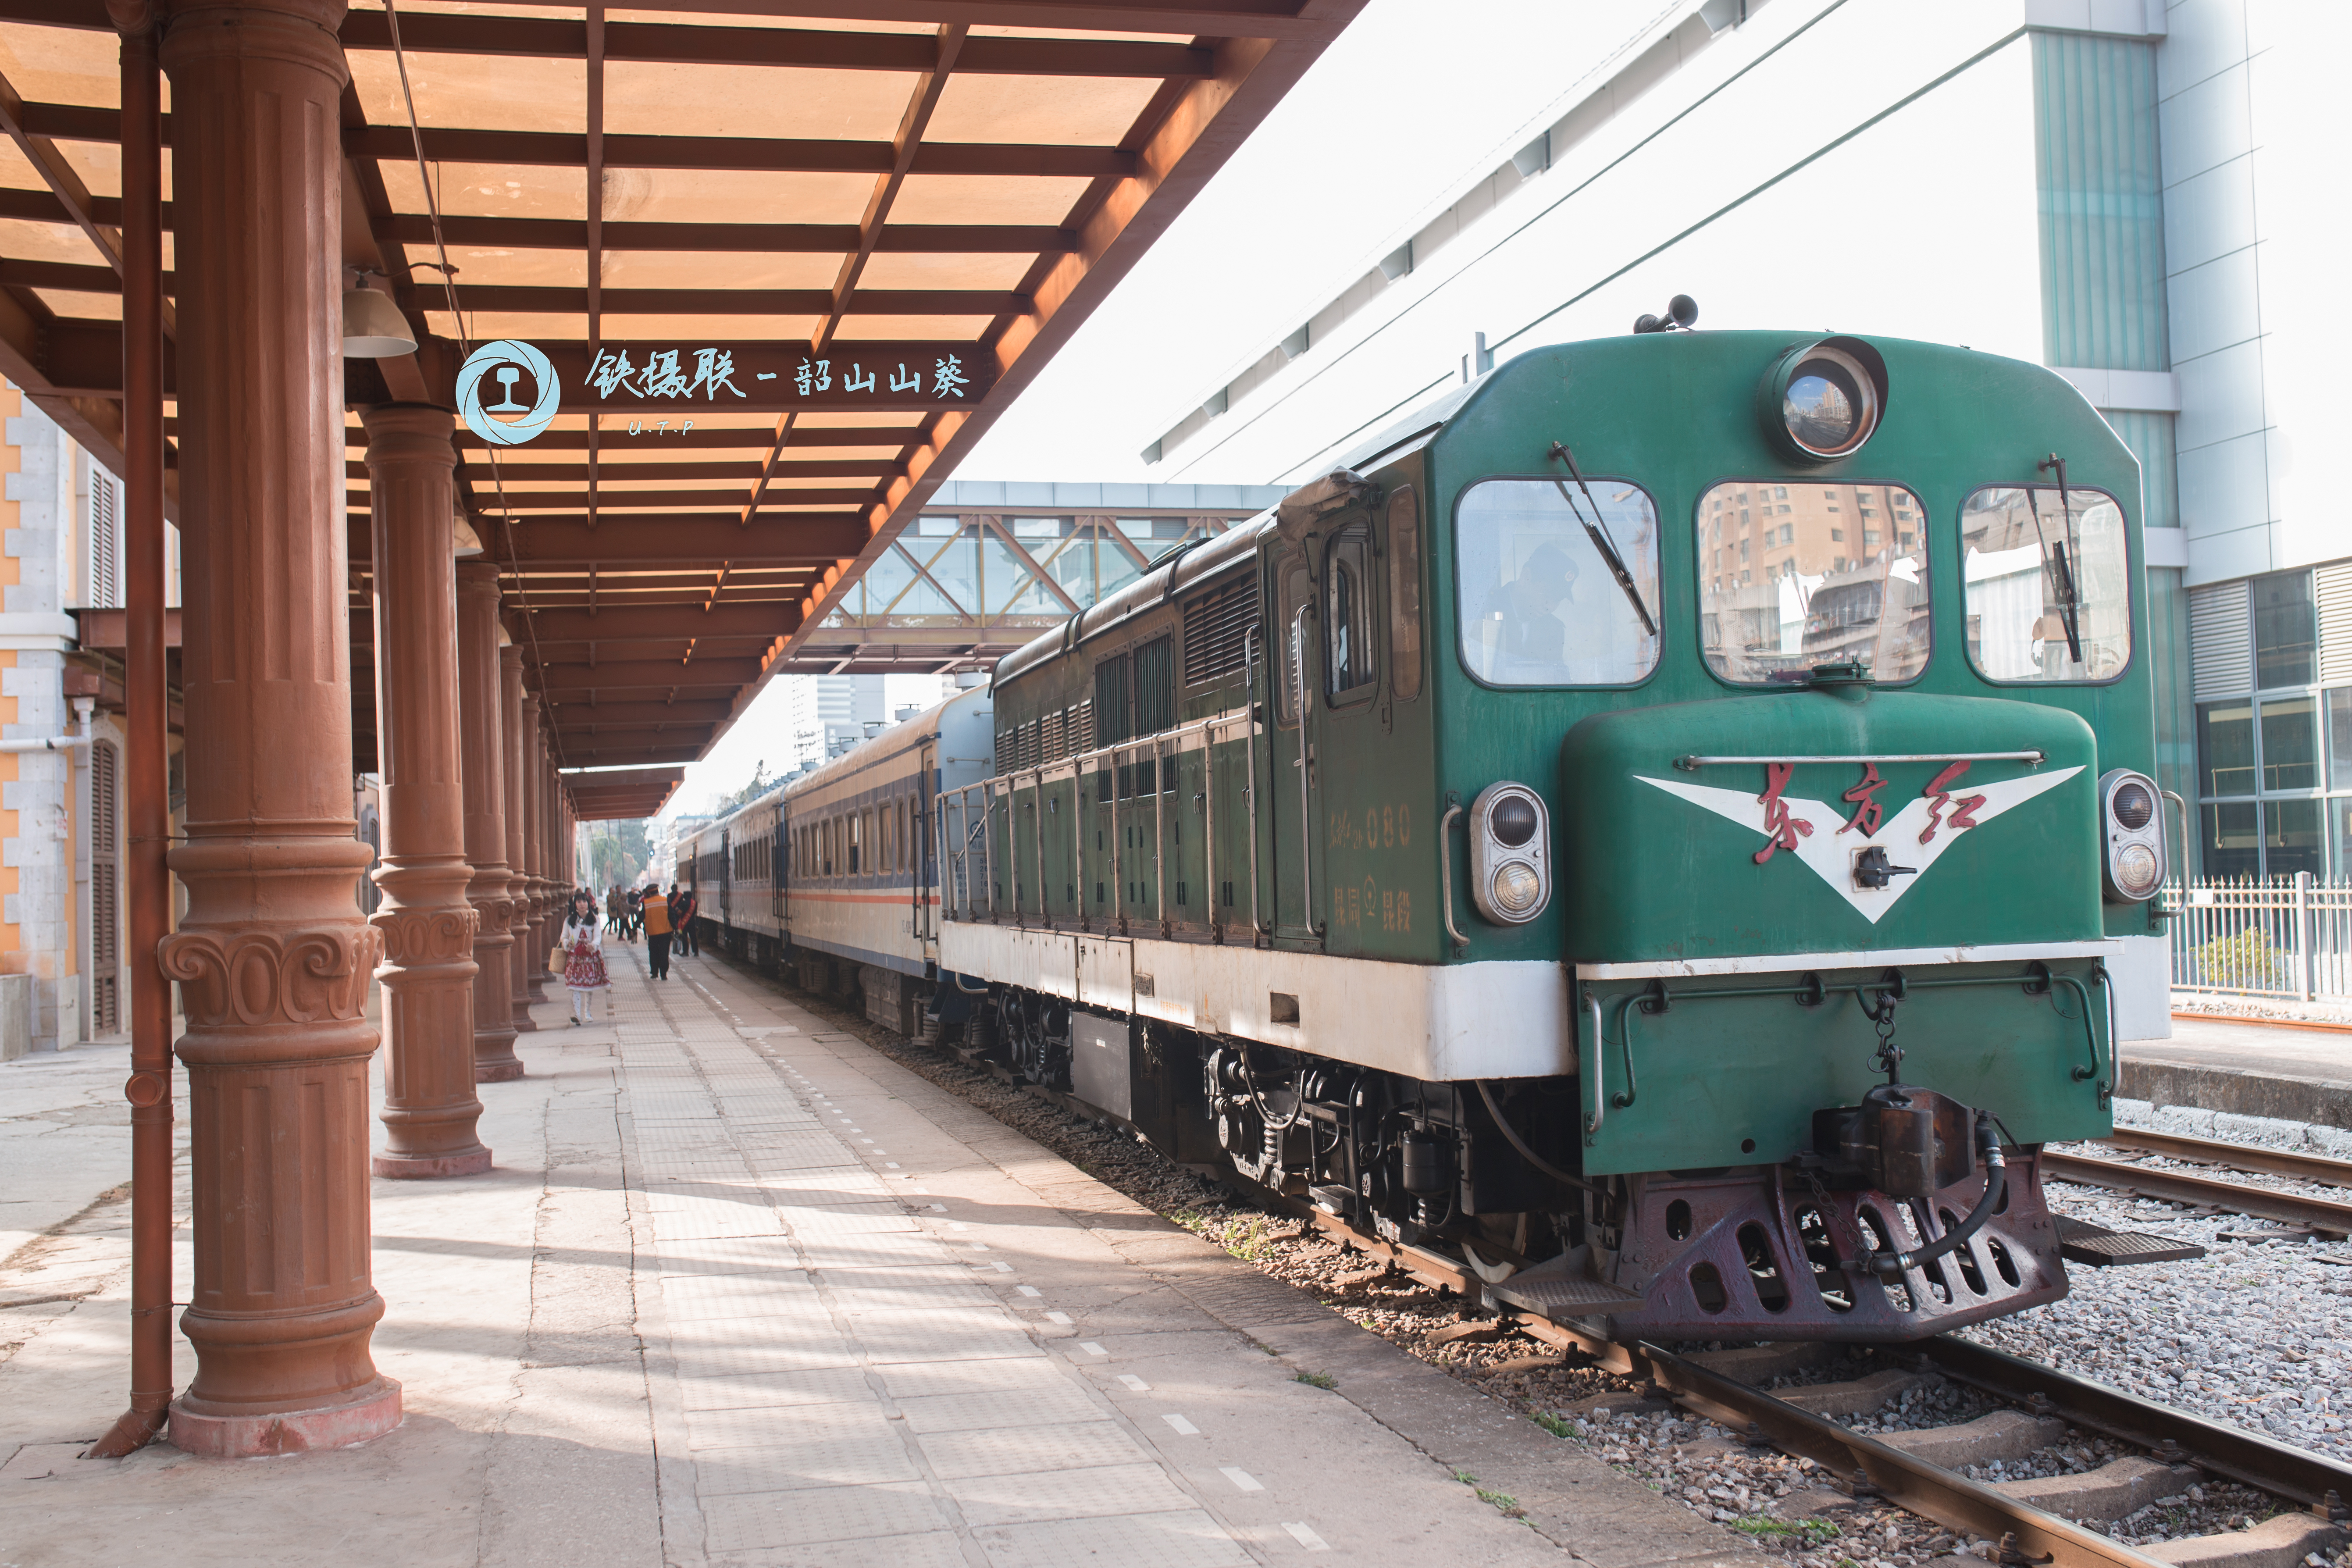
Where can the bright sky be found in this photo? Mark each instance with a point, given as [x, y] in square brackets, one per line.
[1408, 105]
[1398, 112]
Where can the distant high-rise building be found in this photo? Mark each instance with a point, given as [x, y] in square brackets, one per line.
[828, 714]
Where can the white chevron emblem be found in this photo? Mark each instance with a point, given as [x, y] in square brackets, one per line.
[1830, 854]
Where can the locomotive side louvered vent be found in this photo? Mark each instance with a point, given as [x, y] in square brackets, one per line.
[1216, 625]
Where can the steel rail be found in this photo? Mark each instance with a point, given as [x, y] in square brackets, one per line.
[2333, 1219]
[2213, 1151]
[2310, 1479]
[1860, 1463]
[1929, 1491]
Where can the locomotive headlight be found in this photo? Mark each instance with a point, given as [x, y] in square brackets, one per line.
[1822, 401]
[1516, 888]
[2133, 832]
[1510, 854]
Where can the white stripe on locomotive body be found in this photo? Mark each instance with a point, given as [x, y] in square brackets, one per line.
[883, 915]
[1431, 1022]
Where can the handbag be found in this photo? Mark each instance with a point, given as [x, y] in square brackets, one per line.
[555, 959]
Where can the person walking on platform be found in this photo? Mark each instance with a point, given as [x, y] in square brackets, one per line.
[656, 916]
[583, 959]
[614, 911]
[630, 916]
[681, 921]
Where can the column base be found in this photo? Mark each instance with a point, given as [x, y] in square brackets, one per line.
[497, 1072]
[373, 1413]
[400, 1167]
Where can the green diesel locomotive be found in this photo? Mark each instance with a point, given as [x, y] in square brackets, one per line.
[1661, 825]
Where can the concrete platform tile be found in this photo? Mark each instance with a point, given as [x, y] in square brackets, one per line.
[705, 1220]
[737, 1355]
[1028, 1450]
[1190, 1539]
[937, 1548]
[716, 1255]
[890, 1251]
[900, 1295]
[762, 1425]
[917, 1342]
[999, 1407]
[933, 1379]
[745, 1522]
[780, 1314]
[737, 1286]
[1106, 1489]
[828, 1224]
[758, 1390]
[803, 1465]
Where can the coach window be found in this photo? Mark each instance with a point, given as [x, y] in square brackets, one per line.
[1832, 575]
[1539, 600]
[1348, 664]
[1404, 596]
[2048, 583]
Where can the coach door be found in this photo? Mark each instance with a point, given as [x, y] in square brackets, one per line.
[925, 917]
[1289, 807]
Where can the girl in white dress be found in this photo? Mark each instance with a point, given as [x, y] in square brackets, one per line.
[583, 959]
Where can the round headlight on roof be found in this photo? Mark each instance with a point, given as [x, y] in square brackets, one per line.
[1820, 402]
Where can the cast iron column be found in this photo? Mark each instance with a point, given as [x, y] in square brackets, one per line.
[483, 761]
[429, 1105]
[518, 871]
[273, 957]
[534, 815]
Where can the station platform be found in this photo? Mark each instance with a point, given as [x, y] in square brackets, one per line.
[741, 1290]
[2284, 1071]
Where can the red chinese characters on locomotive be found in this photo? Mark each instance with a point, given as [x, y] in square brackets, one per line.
[1864, 798]
[1939, 795]
[1779, 826]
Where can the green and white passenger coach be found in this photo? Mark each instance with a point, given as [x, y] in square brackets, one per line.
[1662, 825]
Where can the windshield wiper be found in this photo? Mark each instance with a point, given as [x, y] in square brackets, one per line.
[1598, 532]
[2061, 570]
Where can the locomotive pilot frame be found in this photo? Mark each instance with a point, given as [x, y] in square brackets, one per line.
[1662, 825]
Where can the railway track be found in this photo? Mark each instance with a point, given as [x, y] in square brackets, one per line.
[2181, 1447]
[2321, 1217]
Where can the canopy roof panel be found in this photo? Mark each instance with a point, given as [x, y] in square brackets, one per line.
[788, 261]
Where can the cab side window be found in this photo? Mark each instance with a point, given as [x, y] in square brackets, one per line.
[1347, 660]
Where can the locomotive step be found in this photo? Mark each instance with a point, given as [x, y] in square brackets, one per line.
[2099, 1247]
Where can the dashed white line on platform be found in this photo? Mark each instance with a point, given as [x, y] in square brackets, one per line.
[1061, 1318]
[1183, 1428]
[1240, 1479]
[1028, 1290]
[1307, 1538]
[1133, 1383]
[1091, 1348]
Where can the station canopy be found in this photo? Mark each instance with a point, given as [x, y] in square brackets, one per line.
[830, 245]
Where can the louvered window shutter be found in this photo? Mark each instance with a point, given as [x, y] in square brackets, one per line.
[105, 542]
[2221, 642]
[2332, 585]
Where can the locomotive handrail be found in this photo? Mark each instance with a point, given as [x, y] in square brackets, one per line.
[1692, 764]
[1445, 872]
[1600, 1068]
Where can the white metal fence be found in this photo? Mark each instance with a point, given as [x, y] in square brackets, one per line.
[2252, 938]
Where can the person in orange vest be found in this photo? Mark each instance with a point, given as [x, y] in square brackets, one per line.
[657, 913]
